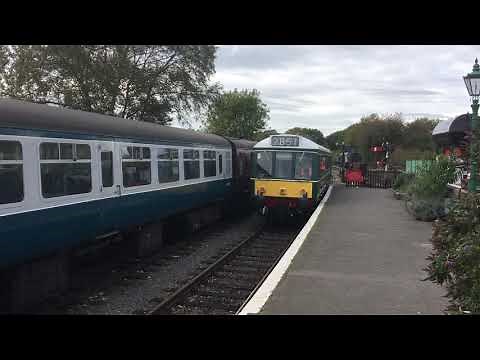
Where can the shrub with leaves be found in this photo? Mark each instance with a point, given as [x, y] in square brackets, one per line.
[402, 182]
[428, 190]
[432, 179]
[455, 258]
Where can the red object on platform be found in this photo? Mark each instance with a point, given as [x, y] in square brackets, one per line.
[377, 149]
[354, 175]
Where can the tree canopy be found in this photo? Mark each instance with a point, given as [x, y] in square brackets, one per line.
[239, 114]
[409, 140]
[154, 83]
[313, 134]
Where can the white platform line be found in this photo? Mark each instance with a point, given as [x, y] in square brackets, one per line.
[259, 299]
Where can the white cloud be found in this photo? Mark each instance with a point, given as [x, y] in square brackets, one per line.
[331, 87]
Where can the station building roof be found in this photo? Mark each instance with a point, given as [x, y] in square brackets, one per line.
[452, 131]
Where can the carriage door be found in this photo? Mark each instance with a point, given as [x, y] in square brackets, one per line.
[109, 179]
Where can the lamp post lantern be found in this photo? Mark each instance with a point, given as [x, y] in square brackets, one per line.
[472, 82]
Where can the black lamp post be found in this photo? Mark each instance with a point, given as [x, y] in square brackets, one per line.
[472, 81]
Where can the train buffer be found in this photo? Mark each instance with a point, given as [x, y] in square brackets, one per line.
[364, 254]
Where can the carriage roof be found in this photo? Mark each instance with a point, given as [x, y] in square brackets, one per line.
[303, 144]
[25, 115]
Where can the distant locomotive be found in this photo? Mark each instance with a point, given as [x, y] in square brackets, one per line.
[290, 174]
[67, 177]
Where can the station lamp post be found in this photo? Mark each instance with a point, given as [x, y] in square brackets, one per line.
[472, 81]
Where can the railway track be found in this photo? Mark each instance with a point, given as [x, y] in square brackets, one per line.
[227, 284]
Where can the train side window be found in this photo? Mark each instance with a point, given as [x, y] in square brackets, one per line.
[228, 164]
[167, 165]
[136, 166]
[220, 164]
[11, 172]
[65, 169]
[209, 163]
[107, 168]
[191, 164]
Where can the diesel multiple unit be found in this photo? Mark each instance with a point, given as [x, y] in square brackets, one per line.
[290, 174]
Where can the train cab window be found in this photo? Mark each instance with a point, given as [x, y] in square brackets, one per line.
[220, 164]
[209, 163]
[303, 166]
[283, 165]
[264, 164]
[65, 169]
[167, 165]
[323, 164]
[136, 166]
[107, 168]
[191, 164]
[11, 172]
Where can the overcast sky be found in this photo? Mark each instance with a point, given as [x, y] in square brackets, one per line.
[330, 87]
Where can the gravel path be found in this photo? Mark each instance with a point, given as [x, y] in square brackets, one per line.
[114, 283]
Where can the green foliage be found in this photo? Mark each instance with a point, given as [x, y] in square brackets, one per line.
[427, 192]
[143, 82]
[455, 258]
[418, 135]
[264, 134]
[239, 114]
[432, 179]
[402, 154]
[402, 182]
[409, 140]
[313, 134]
[335, 138]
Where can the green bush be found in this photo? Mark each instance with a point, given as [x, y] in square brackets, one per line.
[455, 258]
[432, 179]
[428, 190]
[402, 182]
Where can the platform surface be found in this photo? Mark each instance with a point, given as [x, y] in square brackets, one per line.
[364, 255]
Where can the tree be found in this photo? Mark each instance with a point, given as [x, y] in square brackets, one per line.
[335, 138]
[313, 134]
[240, 114]
[418, 134]
[265, 134]
[142, 82]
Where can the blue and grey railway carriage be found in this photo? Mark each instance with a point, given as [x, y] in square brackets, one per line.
[67, 177]
[290, 174]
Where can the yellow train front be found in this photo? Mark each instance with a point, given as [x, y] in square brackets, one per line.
[290, 174]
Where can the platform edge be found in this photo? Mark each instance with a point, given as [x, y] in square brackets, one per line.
[263, 293]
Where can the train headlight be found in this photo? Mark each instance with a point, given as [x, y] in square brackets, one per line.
[261, 191]
[303, 193]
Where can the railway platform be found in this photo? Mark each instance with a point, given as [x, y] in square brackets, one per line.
[363, 254]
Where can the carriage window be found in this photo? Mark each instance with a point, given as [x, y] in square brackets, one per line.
[220, 164]
[11, 172]
[136, 166]
[283, 165]
[191, 164]
[228, 164]
[303, 166]
[107, 168]
[264, 164]
[210, 163]
[167, 165]
[65, 169]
